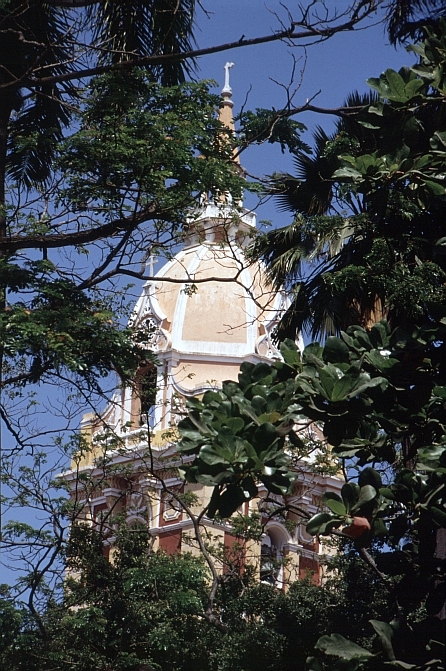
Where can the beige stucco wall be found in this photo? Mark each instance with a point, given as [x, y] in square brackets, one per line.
[193, 374]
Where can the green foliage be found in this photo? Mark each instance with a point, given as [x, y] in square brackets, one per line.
[140, 142]
[155, 27]
[238, 435]
[129, 176]
[146, 608]
[33, 33]
[379, 397]
[82, 208]
[60, 328]
[371, 392]
[141, 609]
[269, 125]
[384, 167]
[142, 155]
[36, 45]
[408, 18]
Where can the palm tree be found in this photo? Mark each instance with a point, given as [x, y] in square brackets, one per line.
[351, 257]
[144, 27]
[45, 38]
[312, 190]
[321, 238]
[406, 18]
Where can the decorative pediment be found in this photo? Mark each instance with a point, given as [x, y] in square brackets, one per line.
[148, 316]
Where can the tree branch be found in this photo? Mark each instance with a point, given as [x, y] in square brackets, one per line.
[308, 32]
[16, 242]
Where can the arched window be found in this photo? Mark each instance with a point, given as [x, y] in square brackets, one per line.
[271, 556]
[269, 568]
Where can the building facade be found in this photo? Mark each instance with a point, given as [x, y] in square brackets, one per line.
[204, 312]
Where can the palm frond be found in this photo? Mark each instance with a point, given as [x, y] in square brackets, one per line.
[35, 42]
[406, 18]
[321, 307]
[283, 251]
[35, 38]
[146, 27]
[311, 190]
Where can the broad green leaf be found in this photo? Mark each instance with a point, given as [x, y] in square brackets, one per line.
[316, 522]
[366, 494]
[374, 82]
[269, 417]
[367, 163]
[423, 161]
[378, 527]
[226, 438]
[235, 424]
[209, 396]
[350, 493]
[314, 349]
[213, 455]
[344, 386]
[327, 378]
[367, 383]
[291, 355]
[387, 493]
[377, 109]
[397, 86]
[369, 476]
[434, 188]
[414, 87]
[260, 372]
[367, 124]
[252, 454]
[336, 351]
[380, 360]
[259, 404]
[385, 633]
[379, 334]
[339, 646]
[438, 140]
[347, 173]
[335, 504]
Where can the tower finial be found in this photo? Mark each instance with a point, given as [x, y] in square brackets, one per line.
[227, 105]
[226, 90]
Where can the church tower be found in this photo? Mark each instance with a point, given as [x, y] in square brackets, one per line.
[205, 312]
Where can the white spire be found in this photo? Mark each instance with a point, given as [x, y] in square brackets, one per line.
[227, 104]
[226, 90]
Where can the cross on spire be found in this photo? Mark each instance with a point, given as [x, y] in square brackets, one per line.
[226, 88]
[149, 264]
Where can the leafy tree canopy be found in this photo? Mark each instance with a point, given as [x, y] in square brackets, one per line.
[141, 157]
[145, 611]
[379, 399]
[370, 207]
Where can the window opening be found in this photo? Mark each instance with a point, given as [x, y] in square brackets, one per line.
[147, 395]
[269, 564]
